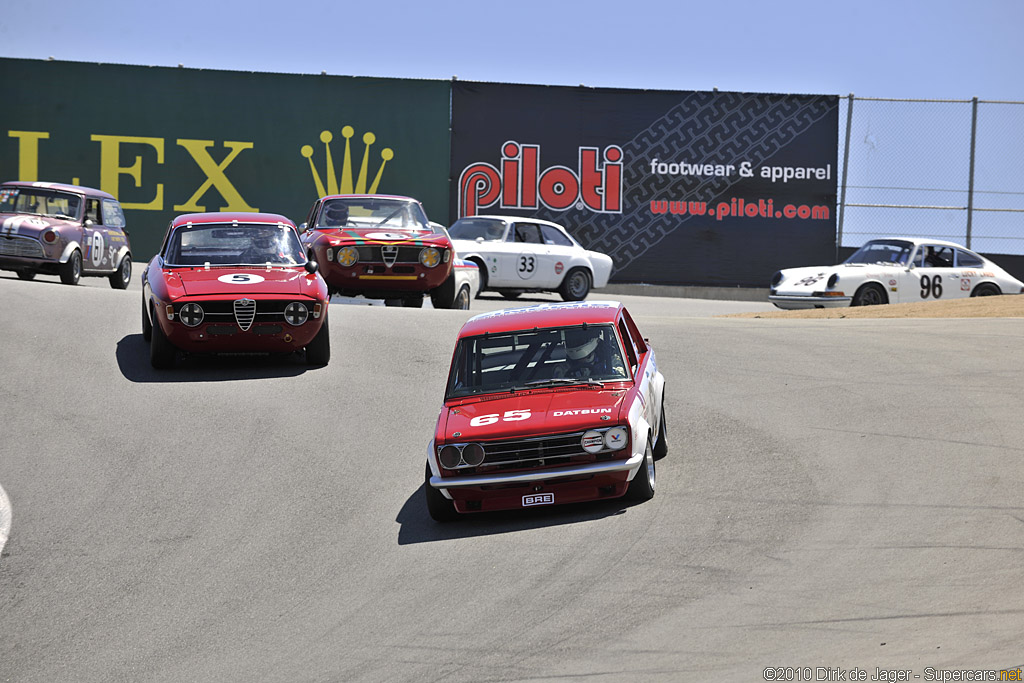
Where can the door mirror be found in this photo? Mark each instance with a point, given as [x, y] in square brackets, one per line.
[312, 267]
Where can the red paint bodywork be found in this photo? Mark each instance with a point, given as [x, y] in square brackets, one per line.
[553, 411]
[164, 285]
[374, 279]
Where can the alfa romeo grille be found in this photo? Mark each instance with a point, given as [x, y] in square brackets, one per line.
[389, 253]
[245, 313]
[12, 245]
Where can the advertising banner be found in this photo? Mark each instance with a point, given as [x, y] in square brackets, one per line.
[168, 141]
[690, 188]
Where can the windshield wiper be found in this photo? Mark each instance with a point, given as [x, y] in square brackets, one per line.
[561, 381]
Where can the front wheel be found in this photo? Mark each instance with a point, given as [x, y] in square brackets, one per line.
[161, 351]
[575, 286]
[462, 299]
[511, 294]
[120, 278]
[661, 443]
[318, 351]
[642, 486]
[26, 274]
[440, 508]
[444, 296]
[147, 324]
[870, 294]
[71, 272]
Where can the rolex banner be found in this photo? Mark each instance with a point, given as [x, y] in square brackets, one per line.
[696, 188]
[168, 141]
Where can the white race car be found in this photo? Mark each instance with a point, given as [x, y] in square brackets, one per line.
[893, 270]
[519, 255]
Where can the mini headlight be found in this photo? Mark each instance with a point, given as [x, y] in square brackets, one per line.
[473, 454]
[592, 441]
[450, 457]
[296, 313]
[191, 314]
[348, 256]
[832, 280]
[777, 278]
[615, 438]
[430, 257]
[49, 236]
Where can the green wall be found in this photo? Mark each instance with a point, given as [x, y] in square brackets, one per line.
[168, 141]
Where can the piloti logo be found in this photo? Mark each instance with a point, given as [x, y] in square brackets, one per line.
[596, 184]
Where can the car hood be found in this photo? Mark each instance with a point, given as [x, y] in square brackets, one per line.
[30, 225]
[371, 235]
[547, 412]
[241, 281]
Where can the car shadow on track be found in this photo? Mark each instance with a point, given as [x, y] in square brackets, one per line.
[418, 527]
[133, 360]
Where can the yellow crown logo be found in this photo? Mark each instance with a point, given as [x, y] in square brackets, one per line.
[346, 186]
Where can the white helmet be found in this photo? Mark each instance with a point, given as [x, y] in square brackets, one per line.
[579, 344]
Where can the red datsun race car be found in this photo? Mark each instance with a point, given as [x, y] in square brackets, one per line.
[65, 230]
[551, 404]
[233, 283]
[380, 247]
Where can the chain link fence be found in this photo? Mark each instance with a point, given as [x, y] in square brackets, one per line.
[946, 169]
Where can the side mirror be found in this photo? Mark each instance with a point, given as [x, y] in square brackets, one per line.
[89, 222]
[312, 267]
[480, 240]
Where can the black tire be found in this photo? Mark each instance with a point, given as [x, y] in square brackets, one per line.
[440, 508]
[394, 302]
[318, 351]
[661, 443]
[120, 278]
[575, 285]
[71, 272]
[642, 486]
[483, 276]
[462, 299]
[147, 324]
[870, 294]
[414, 301]
[511, 294]
[986, 289]
[444, 296]
[161, 351]
[26, 274]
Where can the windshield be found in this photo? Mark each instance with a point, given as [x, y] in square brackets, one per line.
[882, 251]
[230, 244]
[527, 359]
[488, 229]
[372, 212]
[40, 201]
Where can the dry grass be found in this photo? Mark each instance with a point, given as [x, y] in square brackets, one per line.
[1006, 306]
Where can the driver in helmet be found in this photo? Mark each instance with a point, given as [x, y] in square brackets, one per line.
[336, 215]
[263, 247]
[587, 356]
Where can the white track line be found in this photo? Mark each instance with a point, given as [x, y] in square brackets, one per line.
[5, 517]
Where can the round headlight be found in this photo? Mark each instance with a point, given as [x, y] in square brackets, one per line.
[449, 457]
[832, 280]
[430, 257]
[777, 278]
[296, 313]
[49, 236]
[473, 454]
[191, 314]
[348, 256]
[592, 441]
[616, 438]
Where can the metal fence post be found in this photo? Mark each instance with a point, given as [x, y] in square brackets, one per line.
[970, 185]
[846, 167]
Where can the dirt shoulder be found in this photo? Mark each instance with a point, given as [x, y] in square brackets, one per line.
[1005, 306]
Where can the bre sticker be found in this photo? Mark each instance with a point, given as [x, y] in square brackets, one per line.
[241, 279]
[538, 499]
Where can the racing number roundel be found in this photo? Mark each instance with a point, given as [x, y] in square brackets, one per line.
[241, 279]
[526, 265]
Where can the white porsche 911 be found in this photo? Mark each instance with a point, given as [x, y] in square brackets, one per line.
[893, 270]
[519, 255]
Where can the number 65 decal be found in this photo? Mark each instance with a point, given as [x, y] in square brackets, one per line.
[510, 416]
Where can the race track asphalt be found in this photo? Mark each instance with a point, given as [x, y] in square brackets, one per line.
[838, 493]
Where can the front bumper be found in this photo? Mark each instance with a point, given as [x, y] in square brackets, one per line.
[793, 303]
[571, 471]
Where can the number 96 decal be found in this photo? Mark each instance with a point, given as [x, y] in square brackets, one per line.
[509, 416]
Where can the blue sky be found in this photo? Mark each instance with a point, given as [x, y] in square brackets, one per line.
[873, 48]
